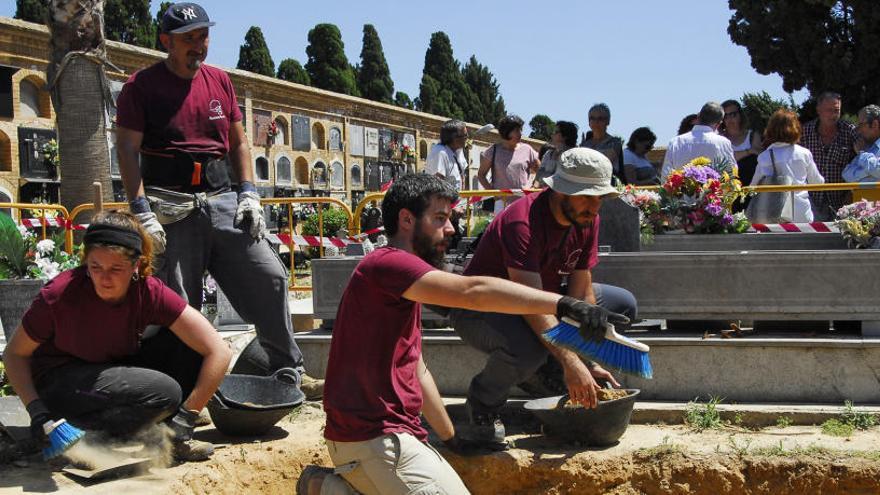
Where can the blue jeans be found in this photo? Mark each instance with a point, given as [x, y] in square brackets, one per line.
[515, 352]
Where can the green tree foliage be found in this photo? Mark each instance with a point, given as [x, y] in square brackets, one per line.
[290, 70]
[32, 10]
[129, 21]
[254, 54]
[328, 66]
[542, 126]
[157, 24]
[443, 90]
[403, 100]
[817, 44]
[373, 77]
[758, 107]
[483, 84]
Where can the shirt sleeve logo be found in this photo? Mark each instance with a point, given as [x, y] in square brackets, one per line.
[217, 109]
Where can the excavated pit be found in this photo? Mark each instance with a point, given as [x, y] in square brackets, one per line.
[650, 459]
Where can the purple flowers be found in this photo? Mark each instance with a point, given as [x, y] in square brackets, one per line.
[714, 209]
[700, 174]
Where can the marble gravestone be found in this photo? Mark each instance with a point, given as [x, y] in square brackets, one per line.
[618, 227]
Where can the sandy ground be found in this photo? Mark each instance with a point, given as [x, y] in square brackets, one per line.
[650, 459]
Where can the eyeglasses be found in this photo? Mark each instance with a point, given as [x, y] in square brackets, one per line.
[599, 118]
[732, 114]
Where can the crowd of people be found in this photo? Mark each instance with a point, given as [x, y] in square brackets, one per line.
[826, 149]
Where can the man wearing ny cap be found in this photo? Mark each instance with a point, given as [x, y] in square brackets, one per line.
[181, 144]
[547, 241]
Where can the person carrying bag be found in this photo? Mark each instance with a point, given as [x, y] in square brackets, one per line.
[783, 163]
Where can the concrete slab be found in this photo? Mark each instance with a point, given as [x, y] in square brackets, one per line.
[759, 370]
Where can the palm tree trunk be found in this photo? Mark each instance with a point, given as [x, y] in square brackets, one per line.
[80, 94]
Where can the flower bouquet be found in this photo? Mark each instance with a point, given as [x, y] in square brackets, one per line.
[23, 256]
[859, 223]
[652, 218]
[697, 199]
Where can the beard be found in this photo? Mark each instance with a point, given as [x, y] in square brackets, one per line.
[433, 253]
[572, 215]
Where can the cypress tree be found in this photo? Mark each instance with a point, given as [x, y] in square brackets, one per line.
[328, 67]
[443, 90]
[484, 86]
[403, 100]
[374, 78]
[157, 24]
[290, 70]
[32, 10]
[129, 21]
[254, 54]
[542, 126]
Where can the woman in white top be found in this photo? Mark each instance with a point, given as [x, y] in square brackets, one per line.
[637, 170]
[783, 131]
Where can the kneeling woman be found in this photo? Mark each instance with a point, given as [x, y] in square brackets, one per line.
[80, 352]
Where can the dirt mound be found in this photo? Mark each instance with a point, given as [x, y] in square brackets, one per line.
[650, 460]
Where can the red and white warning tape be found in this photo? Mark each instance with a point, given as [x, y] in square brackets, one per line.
[52, 222]
[811, 228]
[315, 241]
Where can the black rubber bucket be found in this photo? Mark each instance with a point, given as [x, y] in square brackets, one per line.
[599, 427]
[248, 405]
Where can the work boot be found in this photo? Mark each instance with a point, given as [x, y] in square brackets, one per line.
[192, 451]
[484, 428]
[204, 418]
[312, 387]
[311, 479]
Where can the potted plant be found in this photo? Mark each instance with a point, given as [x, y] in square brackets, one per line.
[859, 224]
[26, 263]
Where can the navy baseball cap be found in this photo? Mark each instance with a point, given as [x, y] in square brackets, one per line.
[184, 17]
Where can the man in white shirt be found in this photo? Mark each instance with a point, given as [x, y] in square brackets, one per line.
[446, 160]
[703, 140]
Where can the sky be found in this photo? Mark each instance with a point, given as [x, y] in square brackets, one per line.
[651, 62]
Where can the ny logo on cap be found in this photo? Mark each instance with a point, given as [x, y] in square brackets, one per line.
[188, 13]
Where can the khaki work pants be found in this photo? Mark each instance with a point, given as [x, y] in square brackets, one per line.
[393, 464]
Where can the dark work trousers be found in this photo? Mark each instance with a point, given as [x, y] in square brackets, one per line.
[248, 271]
[515, 352]
[122, 398]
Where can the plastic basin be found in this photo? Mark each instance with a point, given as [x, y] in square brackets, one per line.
[599, 427]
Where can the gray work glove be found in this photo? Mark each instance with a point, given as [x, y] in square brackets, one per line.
[183, 424]
[154, 228]
[249, 215]
[592, 318]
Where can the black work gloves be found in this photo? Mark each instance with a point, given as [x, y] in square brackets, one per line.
[39, 414]
[182, 424]
[592, 318]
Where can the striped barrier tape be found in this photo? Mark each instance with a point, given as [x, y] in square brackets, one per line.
[810, 228]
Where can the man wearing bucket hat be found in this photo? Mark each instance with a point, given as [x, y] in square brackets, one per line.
[179, 135]
[548, 241]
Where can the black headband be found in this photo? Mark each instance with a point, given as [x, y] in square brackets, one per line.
[114, 236]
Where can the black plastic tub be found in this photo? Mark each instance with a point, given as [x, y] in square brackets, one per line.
[248, 405]
[599, 427]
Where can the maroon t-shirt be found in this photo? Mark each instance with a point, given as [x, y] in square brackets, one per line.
[72, 323]
[175, 114]
[526, 236]
[372, 387]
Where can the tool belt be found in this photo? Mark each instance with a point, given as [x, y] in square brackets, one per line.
[185, 172]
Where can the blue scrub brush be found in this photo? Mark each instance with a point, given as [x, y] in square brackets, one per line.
[614, 350]
[62, 436]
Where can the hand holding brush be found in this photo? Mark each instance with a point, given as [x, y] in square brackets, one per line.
[592, 319]
[57, 436]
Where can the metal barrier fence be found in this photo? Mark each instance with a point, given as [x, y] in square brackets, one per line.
[64, 220]
[869, 190]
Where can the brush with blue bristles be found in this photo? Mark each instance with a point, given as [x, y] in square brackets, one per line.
[62, 436]
[615, 350]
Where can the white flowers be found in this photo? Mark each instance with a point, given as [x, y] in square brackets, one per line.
[45, 247]
[48, 269]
